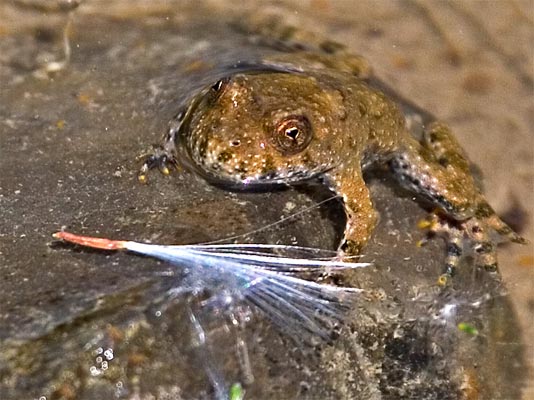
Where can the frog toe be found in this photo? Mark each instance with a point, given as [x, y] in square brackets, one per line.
[349, 249]
[486, 216]
[453, 256]
[508, 234]
[467, 237]
[485, 256]
[484, 248]
[160, 159]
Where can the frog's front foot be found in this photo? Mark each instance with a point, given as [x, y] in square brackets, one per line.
[474, 236]
[349, 250]
[161, 159]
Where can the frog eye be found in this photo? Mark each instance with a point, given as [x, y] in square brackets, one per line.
[292, 134]
[219, 86]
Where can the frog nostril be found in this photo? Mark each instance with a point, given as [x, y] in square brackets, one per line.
[235, 143]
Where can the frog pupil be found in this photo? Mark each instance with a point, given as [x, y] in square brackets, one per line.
[293, 133]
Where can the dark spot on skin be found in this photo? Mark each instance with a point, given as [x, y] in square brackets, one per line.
[224, 156]
[476, 229]
[444, 162]
[484, 210]
[242, 169]
[362, 109]
[235, 143]
[484, 248]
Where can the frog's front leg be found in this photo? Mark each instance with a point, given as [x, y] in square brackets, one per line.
[438, 169]
[361, 215]
[163, 156]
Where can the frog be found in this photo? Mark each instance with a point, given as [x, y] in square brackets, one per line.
[313, 112]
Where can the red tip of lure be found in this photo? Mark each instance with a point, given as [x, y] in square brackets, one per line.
[97, 243]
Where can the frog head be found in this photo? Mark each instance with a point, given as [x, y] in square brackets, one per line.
[261, 128]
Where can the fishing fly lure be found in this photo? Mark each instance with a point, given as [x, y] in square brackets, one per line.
[263, 275]
[253, 272]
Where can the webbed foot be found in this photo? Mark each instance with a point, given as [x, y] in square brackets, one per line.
[474, 236]
[349, 250]
[160, 159]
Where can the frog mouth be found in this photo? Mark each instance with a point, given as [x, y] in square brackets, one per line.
[288, 176]
[225, 174]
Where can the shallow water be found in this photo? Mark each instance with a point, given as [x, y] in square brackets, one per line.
[91, 325]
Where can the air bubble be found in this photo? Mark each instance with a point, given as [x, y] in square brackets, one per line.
[108, 354]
